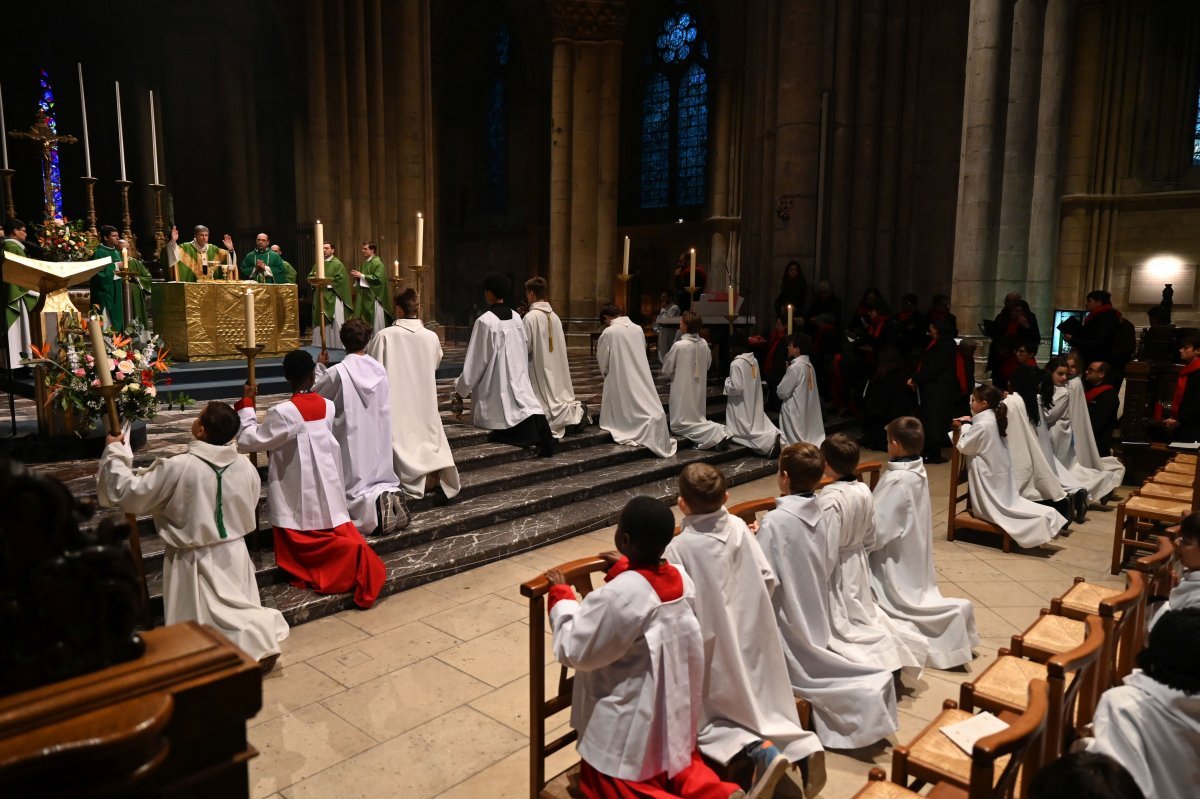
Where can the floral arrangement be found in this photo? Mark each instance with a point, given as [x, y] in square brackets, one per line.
[64, 240]
[139, 362]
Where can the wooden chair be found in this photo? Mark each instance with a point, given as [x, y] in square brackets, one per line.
[1182, 467]
[1160, 579]
[991, 770]
[579, 575]
[1119, 611]
[1139, 516]
[964, 520]
[878, 787]
[1070, 677]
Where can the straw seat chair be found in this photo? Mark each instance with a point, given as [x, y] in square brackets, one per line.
[963, 519]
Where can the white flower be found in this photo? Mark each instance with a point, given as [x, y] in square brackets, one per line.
[126, 366]
[132, 387]
[152, 391]
[119, 354]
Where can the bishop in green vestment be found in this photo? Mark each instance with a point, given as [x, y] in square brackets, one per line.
[336, 300]
[370, 289]
[192, 258]
[289, 271]
[107, 288]
[262, 265]
[18, 301]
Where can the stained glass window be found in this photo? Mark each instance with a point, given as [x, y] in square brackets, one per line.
[675, 113]
[497, 124]
[1196, 139]
[46, 113]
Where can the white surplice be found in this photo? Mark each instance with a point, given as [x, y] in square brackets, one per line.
[745, 416]
[358, 387]
[994, 496]
[1183, 596]
[853, 705]
[1033, 476]
[1153, 731]
[207, 577]
[304, 486]
[687, 365]
[1054, 437]
[333, 336]
[800, 416]
[630, 408]
[549, 371]
[496, 373]
[410, 354]
[639, 671]
[667, 334]
[860, 629]
[902, 567]
[1086, 451]
[747, 696]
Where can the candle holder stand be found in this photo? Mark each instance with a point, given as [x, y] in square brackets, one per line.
[160, 236]
[419, 270]
[624, 277]
[319, 285]
[250, 353]
[89, 190]
[10, 208]
[127, 219]
[127, 276]
[731, 317]
[110, 401]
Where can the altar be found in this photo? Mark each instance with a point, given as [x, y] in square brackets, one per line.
[206, 321]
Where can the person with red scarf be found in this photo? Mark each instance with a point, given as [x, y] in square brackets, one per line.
[1103, 404]
[1014, 325]
[1094, 339]
[1183, 423]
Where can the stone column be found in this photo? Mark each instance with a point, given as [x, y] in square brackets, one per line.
[980, 161]
[560, 173]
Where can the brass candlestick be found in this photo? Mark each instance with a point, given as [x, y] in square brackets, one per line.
[89, 189]
[731, 317]
[419, 270]
[160, 238]
[127, 292]
[10, 209]
[319, 285]
[127, 220]
[250, 353]
[625, 277]
[110, 400]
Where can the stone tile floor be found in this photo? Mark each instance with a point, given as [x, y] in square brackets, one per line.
[426, 695]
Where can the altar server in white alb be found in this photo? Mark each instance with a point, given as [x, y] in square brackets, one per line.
[1083, 437]
[666, 333]
[203, 503]
[410, 354]
[1033, 476]
[745, 417]
[549, 371]
[746, 691]
[362, 424]
[1059, 438]
[994, 496]
[496, 374]
[853, 704]
[860, 629]
[687, 366]
[1187, 593]
[800, 415]
[639, 666]
[902, 555]
[630, 408]
[315, 541]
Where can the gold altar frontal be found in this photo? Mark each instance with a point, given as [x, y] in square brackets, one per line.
[206, 321]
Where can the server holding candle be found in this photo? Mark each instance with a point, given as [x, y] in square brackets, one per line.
[336, 301]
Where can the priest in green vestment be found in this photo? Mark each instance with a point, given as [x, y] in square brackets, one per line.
[139, 287]
[261, 264]
[197, 259]
[18, 301]
[106, 286]
[370, 288]
[336, 301]
[289, 271]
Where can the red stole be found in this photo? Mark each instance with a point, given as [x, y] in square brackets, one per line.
[311, 406]
[1181, 385]
[664, 578]
[875, 329]
[1096, 391]
[1100, 310]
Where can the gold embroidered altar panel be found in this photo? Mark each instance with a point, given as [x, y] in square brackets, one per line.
[206, 321]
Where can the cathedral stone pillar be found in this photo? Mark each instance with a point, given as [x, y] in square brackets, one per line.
[584, 136]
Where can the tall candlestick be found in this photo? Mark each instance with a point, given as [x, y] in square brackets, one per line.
[789, 320]
[121, 132]
[248, 301]
[420, 239]
[693, 283]
[87, 147]
[731, 312]
[3, 132]
[153, 138]
[320, 234]
[103, 367]
[625, 260]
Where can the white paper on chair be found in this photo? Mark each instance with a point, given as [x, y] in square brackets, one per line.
[1184, 445]
[964, 734]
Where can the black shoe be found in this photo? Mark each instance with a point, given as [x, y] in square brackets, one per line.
[438, 496]
[775, 450]
[1080, 502]
[724, 444]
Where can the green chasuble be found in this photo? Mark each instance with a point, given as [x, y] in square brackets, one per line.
[335, 270]
[190, 263]
[374, 273]
[289, 273]
[14, 296]
[107, 292]
[139, 289]
[275, 272]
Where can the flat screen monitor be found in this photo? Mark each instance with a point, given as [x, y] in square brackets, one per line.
[1059, 345]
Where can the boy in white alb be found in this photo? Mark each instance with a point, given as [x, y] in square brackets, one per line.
[203, 503]
[861, 630]
[315, 541]
[854, 705]
[746, 690]
[362, 424]
[687, 365]
[636, 647]
[800, 416]
[549, 371]
[630, 409]
[902, 556]
[1187, 593]
[745, 417]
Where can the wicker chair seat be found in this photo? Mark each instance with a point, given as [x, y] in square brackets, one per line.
[1056, 634]
[1007, 681]
[1165, 507]
[885, 790]
[1167, 491]
[1173, 478]
[1086, 597]
[1180, 468]
[934, 752]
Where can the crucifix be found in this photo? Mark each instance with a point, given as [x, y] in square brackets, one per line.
[40, 132]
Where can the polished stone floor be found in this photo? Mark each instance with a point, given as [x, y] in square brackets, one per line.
[426, 695]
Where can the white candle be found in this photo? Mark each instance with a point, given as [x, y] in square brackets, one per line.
[789, 320]
[625, 260]
[248, 301]
[396, 269]
[87, 147]
[120, 132]
[693, 283]
[420, 239]
[731, 299]
[153, 138]
[125, 258]
[320, 234]
[3, 132]
[103, 367]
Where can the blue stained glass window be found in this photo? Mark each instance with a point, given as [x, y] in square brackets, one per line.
[677, 37]
[46, 112]
[692, 123]
[656, 164]
[1196, 139]
[497, 125]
